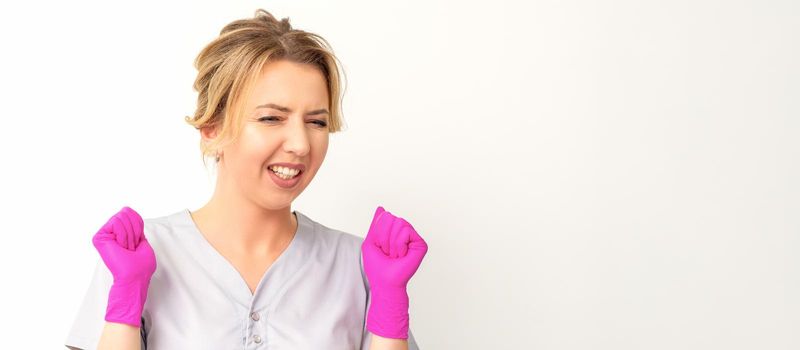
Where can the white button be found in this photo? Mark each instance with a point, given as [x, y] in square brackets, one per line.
[257, 339]
[255, 316]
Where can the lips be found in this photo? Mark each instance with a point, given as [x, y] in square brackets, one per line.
[283, 183]
[298, 166]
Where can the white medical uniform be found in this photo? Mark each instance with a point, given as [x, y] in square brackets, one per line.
[314, 296]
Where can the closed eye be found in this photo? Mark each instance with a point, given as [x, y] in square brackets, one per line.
[319, 122]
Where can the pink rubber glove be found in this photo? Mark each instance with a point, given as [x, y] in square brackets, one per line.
[131, 260]
[392, 252]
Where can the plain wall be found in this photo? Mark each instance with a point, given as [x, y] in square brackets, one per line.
[588, 175]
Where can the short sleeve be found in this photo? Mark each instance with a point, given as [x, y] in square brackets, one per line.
[412, 343]
[89, 322]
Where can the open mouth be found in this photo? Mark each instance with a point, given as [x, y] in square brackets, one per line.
[285, 173]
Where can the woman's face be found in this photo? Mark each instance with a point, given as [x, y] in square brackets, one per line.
[285, 121]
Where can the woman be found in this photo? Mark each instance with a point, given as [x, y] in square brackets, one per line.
[244, 271]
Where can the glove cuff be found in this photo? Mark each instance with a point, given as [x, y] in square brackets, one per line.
[388, 313]
[126, 301]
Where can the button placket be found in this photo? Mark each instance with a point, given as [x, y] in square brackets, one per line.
[255, 339]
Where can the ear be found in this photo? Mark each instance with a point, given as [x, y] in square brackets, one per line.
[208, 133]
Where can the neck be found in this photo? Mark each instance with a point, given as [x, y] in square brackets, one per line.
[240, 225]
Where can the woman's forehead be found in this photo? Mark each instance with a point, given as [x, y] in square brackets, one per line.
[290, 86]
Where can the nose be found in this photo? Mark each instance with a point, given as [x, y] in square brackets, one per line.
[296, 139]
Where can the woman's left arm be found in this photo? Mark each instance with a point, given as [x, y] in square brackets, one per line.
[392, 252]
[381, 343]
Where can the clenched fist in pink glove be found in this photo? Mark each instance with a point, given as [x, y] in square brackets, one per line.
[131, 260]
[392, 252]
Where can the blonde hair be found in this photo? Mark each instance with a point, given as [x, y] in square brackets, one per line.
[229, 65]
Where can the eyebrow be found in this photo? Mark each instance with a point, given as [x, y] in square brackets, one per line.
[287, 110]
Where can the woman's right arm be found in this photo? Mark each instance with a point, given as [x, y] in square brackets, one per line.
[128, 255]
[119, 336]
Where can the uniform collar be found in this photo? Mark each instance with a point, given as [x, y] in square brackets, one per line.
[282, 269]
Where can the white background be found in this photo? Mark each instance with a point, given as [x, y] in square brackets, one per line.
[588, 175]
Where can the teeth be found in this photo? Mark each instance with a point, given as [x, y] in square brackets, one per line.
[284, 173]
